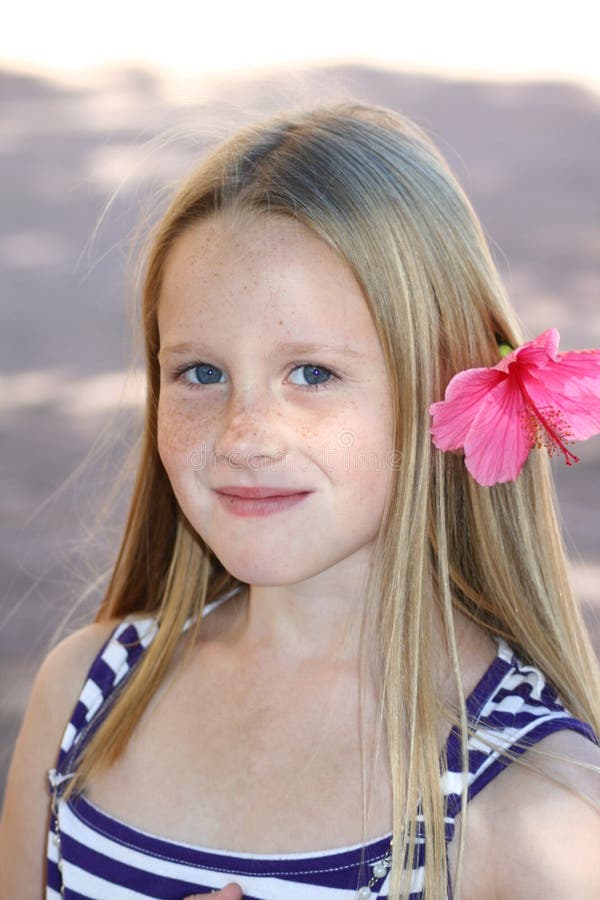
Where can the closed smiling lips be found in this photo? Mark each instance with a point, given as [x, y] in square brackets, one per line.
[259, 502]
[258, 493]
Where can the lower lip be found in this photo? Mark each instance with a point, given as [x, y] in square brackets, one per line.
[241, 506]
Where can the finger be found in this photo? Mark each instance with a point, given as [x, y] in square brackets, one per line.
[231, 891]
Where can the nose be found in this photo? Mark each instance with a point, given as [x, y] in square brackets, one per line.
[252, 433]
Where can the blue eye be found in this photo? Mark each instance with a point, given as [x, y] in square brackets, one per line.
[202, 374]
[316, 376]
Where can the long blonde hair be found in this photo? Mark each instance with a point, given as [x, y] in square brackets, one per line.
[370, 183]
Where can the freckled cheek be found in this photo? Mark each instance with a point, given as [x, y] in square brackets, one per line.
[181, 435]
[366, 457]
[361, 440]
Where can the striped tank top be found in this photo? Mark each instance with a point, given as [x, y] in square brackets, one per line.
[91, 854]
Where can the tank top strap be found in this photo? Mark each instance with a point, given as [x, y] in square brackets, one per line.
[114, 662]
[116, 659]
[512, 708]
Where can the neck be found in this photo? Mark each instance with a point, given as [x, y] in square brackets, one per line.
[317, 619]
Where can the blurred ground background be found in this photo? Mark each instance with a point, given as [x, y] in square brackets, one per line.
[82, 161]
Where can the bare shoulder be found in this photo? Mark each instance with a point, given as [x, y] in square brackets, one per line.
[55, 690]
[64, 669]
[23, 825]
[533, 833]
[547, 822]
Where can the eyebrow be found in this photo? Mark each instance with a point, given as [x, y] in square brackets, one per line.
[281, 347]
[301, 349]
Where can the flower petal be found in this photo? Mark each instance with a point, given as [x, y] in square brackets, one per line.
[581, 369]
[570, 393]
[538, 352]
[498, 443]
[580, 363]
[454, 416]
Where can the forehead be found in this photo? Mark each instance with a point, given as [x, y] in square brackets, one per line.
[269, 268]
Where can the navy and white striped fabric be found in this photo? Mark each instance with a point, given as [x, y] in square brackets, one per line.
[106, 859]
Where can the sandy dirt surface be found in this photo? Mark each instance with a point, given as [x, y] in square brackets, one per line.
[81, 166]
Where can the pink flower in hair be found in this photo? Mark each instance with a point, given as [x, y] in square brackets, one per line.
[534, 396]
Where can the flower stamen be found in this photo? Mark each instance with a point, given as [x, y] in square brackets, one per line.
[552, 437]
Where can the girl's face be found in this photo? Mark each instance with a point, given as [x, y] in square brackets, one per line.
[272, 375]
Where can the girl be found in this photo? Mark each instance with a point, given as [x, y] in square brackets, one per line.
[322, 631]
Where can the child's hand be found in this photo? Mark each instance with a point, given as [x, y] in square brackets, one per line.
[231, 891]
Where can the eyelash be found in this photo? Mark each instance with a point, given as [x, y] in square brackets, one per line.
[181, 371]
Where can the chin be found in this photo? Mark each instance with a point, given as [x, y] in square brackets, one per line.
[264, 569]
[266, 574]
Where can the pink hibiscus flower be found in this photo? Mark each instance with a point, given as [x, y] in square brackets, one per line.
[534, 396]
